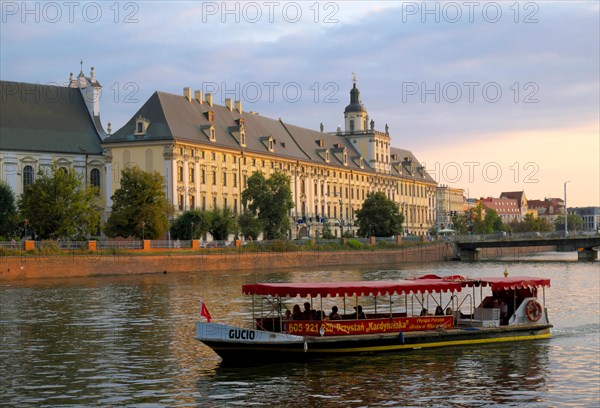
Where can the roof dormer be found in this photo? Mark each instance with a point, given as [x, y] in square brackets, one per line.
[141, 126]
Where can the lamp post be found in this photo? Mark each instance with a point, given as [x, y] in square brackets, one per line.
[565, 185]
[143, 230]
[192, 230]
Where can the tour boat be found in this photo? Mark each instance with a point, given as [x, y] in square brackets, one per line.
[396, 315]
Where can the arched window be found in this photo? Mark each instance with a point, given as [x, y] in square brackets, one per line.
[351, 125]
[27, 176]
[95, 178]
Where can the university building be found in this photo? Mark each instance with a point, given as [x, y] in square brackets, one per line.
[42, 124]
[207, 151]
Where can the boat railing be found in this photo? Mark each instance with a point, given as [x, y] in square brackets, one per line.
[467, 297]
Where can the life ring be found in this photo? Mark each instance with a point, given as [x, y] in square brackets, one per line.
[533, 310]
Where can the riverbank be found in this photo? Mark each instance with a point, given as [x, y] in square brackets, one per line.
[73, 265]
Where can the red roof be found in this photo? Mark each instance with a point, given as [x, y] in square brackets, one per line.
[430, 284]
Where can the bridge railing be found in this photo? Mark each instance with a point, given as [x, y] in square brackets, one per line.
[519, 236]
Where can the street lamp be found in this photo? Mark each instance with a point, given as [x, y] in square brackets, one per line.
[143, 230]
[192, 230]
[566, 232]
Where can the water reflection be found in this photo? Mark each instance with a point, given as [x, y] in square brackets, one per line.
[129, 340]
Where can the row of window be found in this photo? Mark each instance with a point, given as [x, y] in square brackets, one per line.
[202, 206]
[29, 176]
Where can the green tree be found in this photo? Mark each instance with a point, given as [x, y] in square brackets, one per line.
[379, 216]
[459, 224]
[531, 224]
[486, 220]
[140, 206]
[270, 200]
[222, 223]
[59, 205]
[191, 225]
[250, 226]
[8, 211]
[574, 222]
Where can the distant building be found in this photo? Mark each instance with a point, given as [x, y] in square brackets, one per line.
[507, 208]
[547, 209]
[449, 202]
[590, 216]
[521, 201]
[42, 124]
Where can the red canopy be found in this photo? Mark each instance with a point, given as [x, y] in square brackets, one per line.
[512, 282]
[360, 288]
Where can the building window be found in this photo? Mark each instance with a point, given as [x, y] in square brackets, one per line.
[214, 181]
[180, 202]
[180, 173]
[245, 181]
[95, 178]
[192, 203]
[192, 174]
[203, 203]
[224, 202]
[27, 176]
[243, 138]
[224, 178]
[351, 125]
[214, 203]
[235, 179]
[212, 134]
[203, 176]
[235, 206]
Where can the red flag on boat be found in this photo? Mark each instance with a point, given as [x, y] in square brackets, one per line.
[204, 312]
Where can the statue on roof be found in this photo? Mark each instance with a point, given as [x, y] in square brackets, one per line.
[387, 129]
[372, 124]
[322, 127]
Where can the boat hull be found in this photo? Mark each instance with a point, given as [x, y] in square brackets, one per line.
[228, 343]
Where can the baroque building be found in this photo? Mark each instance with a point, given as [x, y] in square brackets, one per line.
[206, 152]
[42, 124]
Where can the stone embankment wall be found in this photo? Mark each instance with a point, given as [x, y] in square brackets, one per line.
[33, 266]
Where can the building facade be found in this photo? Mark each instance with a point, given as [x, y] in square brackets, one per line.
[42, 124]
[449, 202]
[206, 152]
[590, 216]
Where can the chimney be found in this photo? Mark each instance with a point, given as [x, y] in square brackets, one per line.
[209, 99]
[187, 92]
[238, 106]
[228, 104]
[198, 96]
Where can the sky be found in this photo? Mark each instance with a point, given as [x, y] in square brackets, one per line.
[490, 96]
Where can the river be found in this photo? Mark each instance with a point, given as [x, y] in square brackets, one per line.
[128, 341]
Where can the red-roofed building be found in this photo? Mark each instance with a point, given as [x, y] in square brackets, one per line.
[507, 208]
[521, 201]
[548, 209]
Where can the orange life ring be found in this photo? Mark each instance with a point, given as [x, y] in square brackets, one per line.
[533, 309]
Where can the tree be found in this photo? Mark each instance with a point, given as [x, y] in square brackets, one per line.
[222, 223]
[59, 205]
[486, 220]
[459, 223]
[379, 216]
[531, 224]
[574, 222]
[140, 207]
[8, 211]
[191, 225]
[250, 226]
[270, 200]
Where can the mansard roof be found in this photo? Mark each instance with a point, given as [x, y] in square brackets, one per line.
[402, 169]
[46, 118]
[174, 118]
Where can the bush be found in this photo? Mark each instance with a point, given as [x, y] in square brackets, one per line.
[354, 244]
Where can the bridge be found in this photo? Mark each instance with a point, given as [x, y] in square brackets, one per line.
[586, 244]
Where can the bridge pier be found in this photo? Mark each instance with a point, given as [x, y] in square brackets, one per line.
[587, 254]
[470, 255]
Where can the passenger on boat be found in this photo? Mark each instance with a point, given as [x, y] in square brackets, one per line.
[288, 314]
[297, 313]
[359, 312]
[423, 312]
[439, 311]
[448, 311]
[334, 315]
[308, 315]
[503, 312]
